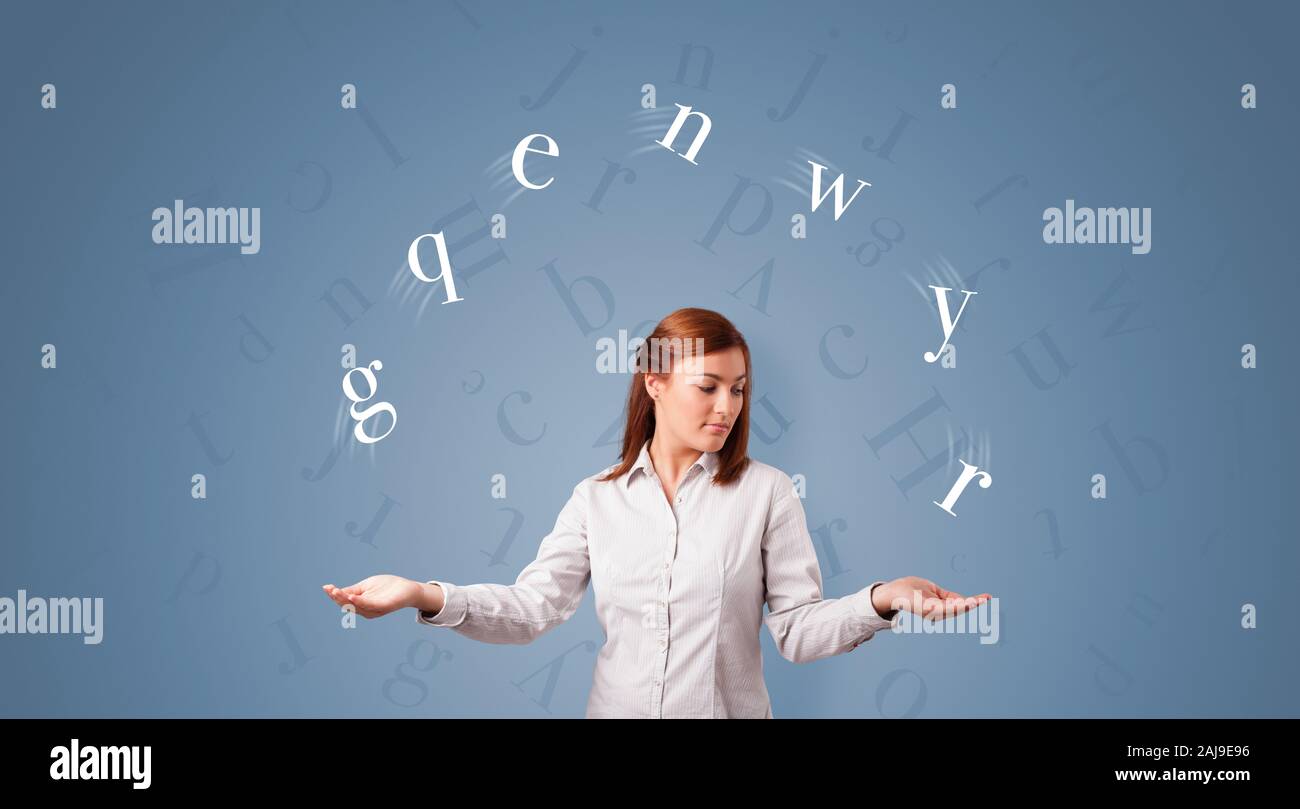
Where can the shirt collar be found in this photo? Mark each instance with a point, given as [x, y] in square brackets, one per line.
[708, 461]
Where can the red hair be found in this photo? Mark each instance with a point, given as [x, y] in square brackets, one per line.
[688, 325]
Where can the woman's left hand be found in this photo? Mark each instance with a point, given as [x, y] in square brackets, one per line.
[922, 597]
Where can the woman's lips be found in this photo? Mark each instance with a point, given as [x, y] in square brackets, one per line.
[717, 428]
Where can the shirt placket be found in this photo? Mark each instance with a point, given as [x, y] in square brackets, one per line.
[662, 591]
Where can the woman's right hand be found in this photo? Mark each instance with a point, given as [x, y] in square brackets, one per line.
[378, 595]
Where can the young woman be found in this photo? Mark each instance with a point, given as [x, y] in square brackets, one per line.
[683, 542]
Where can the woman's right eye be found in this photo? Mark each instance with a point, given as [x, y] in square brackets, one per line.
[706, 390]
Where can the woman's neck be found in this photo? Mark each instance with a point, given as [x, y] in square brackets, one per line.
[671, 459]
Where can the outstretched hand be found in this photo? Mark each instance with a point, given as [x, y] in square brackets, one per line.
[377, 595]
[922, 597]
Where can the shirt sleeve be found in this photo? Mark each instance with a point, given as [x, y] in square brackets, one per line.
[545, 594]
[805, 626]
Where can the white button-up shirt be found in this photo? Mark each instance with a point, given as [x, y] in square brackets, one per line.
[679, 590]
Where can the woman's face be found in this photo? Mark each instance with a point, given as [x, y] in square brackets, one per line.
[698, 394]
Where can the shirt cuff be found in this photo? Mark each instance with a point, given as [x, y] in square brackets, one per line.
[862, 605]
[453, 607]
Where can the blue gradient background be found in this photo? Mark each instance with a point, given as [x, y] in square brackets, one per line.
[213, 607]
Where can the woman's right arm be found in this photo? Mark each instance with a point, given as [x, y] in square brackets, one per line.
[430, 599]
[546, 593]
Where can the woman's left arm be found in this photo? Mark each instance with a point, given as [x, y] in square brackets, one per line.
[805, 626]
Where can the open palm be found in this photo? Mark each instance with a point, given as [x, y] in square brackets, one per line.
[926, 599]
[376, 595]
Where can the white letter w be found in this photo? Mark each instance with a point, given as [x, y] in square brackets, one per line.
[838, 187]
